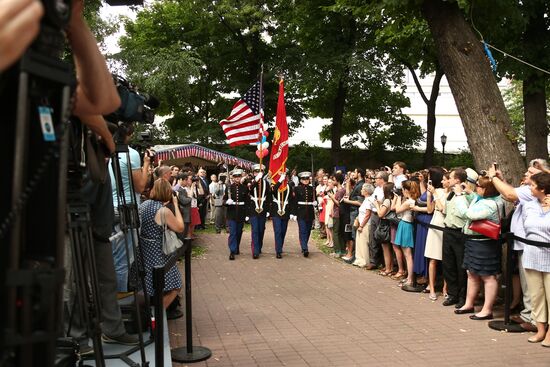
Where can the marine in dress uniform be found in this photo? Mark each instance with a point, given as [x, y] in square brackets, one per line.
[258, 208]
[280, 211]
[303, 209]
[235, 198]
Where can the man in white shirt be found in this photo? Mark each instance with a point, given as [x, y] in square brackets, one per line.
[211, 187]
[398, 174]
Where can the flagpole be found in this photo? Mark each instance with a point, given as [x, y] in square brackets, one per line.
[261, 131]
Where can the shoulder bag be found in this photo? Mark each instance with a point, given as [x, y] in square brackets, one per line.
[170, 241]
[382, 232]
[486, 227]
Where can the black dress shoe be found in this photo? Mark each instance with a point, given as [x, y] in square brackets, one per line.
[487, 317]
[462, 312]
[231, 256]
[279, 256]
[450, 301]
[173, 314]
[306, 253]
[238, 252]
[255, 256]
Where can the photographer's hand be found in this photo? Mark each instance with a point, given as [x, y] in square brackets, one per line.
[97, 124]
[96, 92]
[19, 25]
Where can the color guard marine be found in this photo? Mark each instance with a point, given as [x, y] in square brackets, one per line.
[303, 209]
[236, 197]
[280, 208]
[258, 208]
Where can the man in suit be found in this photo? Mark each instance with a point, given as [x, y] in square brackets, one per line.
[203, 197]
[236, 196]
[184, 181]
[303, 209]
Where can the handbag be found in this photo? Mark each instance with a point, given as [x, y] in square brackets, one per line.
[170, 241]
[392, 218]
[486, 227]
[382, 232]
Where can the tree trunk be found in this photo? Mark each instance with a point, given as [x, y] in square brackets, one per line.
[337, 117]
[536, 125]
[431, 119]
[475, 91]
[430, 135]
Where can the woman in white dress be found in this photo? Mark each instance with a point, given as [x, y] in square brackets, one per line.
[438, 190]
[329, 223]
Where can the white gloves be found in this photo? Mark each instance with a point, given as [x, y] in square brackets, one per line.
[230, 202]
[259, 176]
[246, 219]
[293, 217]
[282, 177]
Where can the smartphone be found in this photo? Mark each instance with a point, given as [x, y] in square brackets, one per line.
[429, 182]
[495, 164]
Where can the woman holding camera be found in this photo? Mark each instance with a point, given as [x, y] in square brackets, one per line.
[153, 214]
[536, 260]
[482, 255]
[383, 209]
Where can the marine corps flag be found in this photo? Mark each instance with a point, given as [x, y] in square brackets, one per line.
[279, 146]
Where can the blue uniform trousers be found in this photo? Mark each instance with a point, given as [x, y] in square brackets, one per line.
[235, 234]
[279, 228]
[304, 230]
[257, 224]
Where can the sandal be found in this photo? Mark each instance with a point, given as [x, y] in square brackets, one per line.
[398, 276]
[385, 273]
[433, 297]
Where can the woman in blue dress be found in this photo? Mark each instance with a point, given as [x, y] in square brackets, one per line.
[422, 217]
[153, 214]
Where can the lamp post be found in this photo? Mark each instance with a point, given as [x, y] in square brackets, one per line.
[443, 142]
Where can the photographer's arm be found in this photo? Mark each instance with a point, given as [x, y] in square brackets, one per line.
[19, 25]
[97, 124]
[96, 92]
[139, 176]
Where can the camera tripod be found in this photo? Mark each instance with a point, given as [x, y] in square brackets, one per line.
[83, 272]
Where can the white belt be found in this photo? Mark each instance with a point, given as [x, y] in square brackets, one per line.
[237, 203]
[307, 203]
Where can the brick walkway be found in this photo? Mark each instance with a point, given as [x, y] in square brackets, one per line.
[321, 312]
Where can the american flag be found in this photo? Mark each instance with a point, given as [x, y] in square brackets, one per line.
[244, 125]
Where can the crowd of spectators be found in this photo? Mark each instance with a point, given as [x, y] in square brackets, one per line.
[414, 228]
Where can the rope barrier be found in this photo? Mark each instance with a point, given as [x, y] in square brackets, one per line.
[503, 237]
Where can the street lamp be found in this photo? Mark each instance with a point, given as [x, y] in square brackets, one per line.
[443, 142]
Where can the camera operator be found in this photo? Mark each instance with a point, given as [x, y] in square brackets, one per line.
[19, 26]
[92, 98]
[139, 180]
[98, 194]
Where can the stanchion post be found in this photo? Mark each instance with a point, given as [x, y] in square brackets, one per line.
[506, 325]
[158, 284]
[190, 353]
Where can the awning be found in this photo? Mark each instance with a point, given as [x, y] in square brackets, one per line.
[197, 156]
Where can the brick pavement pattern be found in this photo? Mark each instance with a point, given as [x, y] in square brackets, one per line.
[319, 311]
